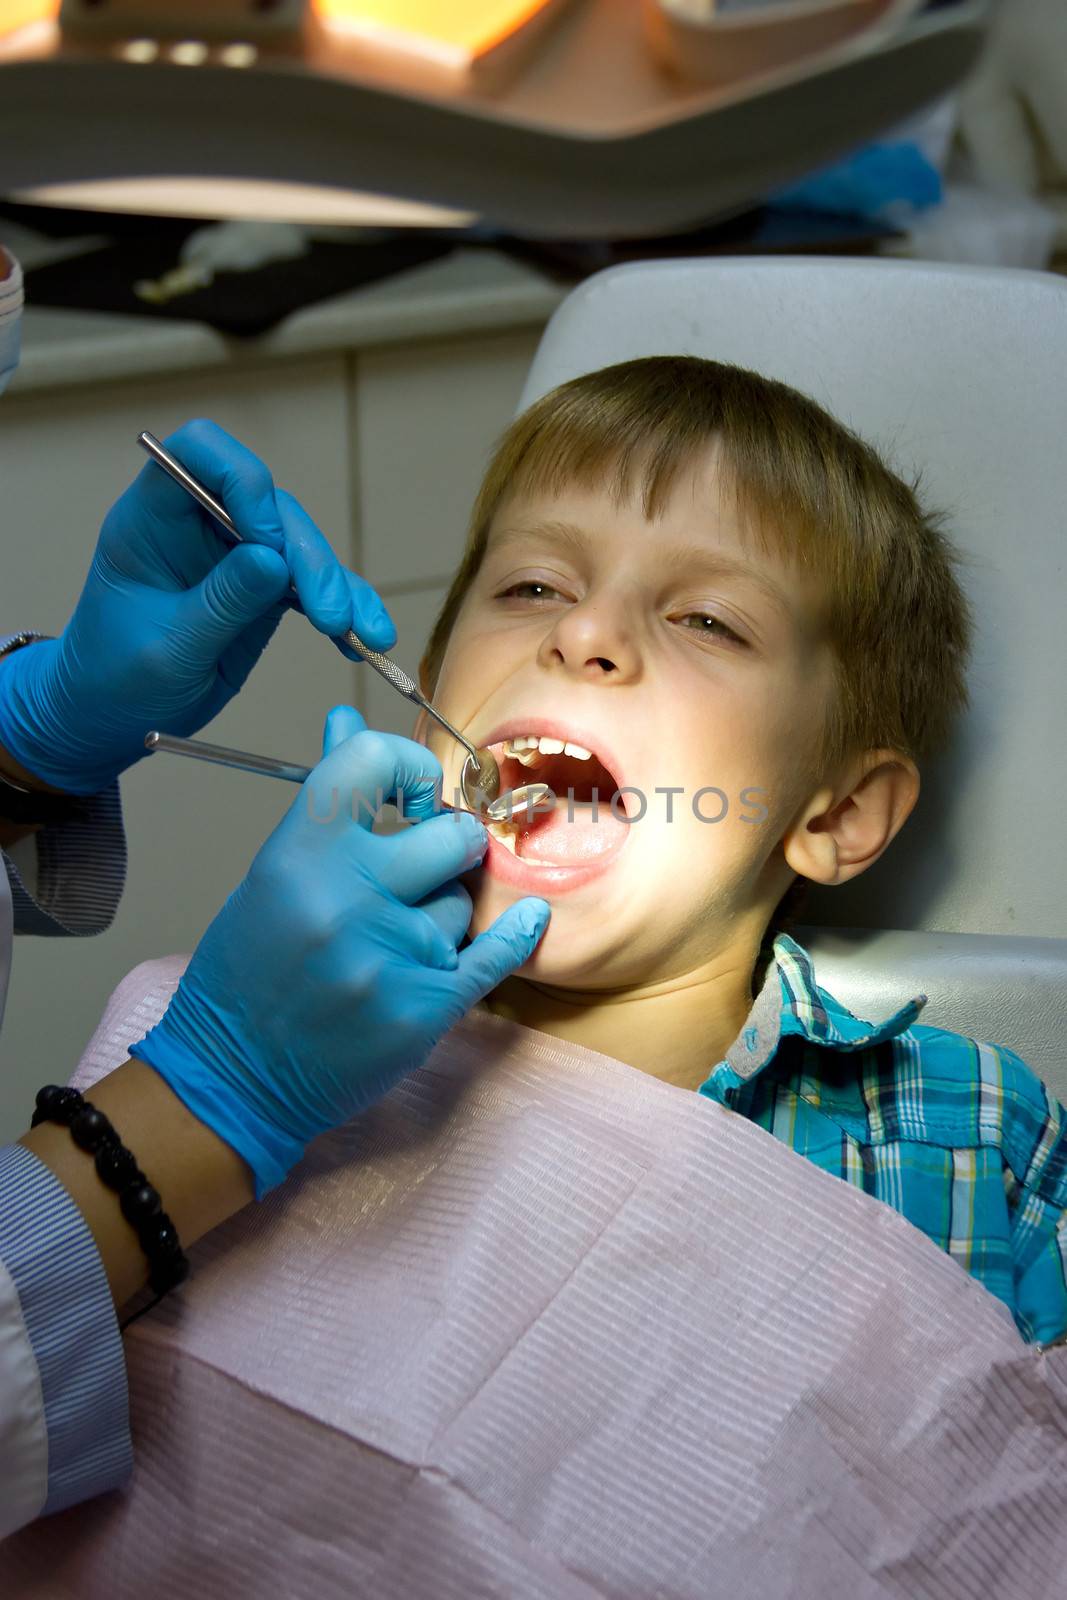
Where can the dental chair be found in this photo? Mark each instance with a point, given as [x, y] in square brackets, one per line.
[960, 372]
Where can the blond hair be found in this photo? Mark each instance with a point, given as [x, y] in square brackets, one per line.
[896, 619]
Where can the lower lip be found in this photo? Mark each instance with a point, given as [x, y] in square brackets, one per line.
[507, 868]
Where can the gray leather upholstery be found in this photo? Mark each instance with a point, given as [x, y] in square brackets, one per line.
[959, 373]
[1008, 991]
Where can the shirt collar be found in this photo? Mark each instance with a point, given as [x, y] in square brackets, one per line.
[791, 1002]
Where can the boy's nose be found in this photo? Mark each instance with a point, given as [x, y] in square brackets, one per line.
[592, 640]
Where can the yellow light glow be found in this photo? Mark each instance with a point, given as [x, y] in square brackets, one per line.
[238, 55]
[255, 199]
[139, 50]
[17, 13]
[189, 53]
[442, 26]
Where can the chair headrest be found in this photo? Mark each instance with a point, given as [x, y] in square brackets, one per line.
[956, 373]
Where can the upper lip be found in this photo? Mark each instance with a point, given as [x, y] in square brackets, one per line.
[557, 728]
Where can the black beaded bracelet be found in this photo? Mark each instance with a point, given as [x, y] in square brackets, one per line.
[140, 1203]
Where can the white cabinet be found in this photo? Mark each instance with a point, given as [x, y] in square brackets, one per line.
[414, 613]
[427, 418]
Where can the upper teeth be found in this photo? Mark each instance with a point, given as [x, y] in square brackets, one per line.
[528, 747]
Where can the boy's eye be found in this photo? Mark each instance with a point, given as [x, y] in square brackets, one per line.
[706, 623]
[703, 623]
[540, 590]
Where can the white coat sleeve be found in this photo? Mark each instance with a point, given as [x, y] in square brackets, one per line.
[64, 1413]
[64, 1409]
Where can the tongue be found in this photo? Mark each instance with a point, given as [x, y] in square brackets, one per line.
[554, 840]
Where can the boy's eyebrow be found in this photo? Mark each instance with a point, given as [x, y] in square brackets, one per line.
[693, 557]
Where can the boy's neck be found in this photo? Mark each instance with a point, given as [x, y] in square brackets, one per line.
[675, 1032]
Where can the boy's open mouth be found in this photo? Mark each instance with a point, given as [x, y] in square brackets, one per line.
[582, 826]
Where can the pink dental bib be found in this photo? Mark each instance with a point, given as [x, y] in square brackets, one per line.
[540, 1327]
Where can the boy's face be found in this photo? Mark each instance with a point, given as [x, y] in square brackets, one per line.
[632, 640]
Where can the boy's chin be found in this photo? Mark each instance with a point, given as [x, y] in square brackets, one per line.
[563, 950]
[488, 909]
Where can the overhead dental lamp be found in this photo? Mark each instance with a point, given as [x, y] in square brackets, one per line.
[562, 118]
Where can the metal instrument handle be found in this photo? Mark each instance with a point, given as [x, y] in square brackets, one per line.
[223, 756]
[394, 675]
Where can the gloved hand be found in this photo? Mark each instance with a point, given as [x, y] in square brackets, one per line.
[332, 970]
[169, 625]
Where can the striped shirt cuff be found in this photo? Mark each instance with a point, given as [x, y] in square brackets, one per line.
[81, 866]
[81, 871]
[48, 1250]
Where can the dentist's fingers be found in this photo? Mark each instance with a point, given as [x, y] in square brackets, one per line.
[364, 771]
[450, 908]
[416, 862]
[415, 939]
[341, 723]
[501, 949]
[333, 598]
[243, 587]
[370, 620]
[230, 470]
[227, 620]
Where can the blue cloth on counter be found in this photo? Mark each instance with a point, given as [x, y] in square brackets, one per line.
[866, 183]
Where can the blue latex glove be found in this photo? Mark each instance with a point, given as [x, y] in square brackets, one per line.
[171, 620]
[333, 970]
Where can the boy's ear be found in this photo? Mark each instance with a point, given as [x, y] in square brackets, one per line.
[842, 831]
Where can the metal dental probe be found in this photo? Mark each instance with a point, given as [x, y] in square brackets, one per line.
[502, 809]
[480, 777]
[223, 756]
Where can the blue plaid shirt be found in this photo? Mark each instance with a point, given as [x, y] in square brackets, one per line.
[958, 1136]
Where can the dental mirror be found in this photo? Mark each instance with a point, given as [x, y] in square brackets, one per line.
[513, 802]
[479, 784]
